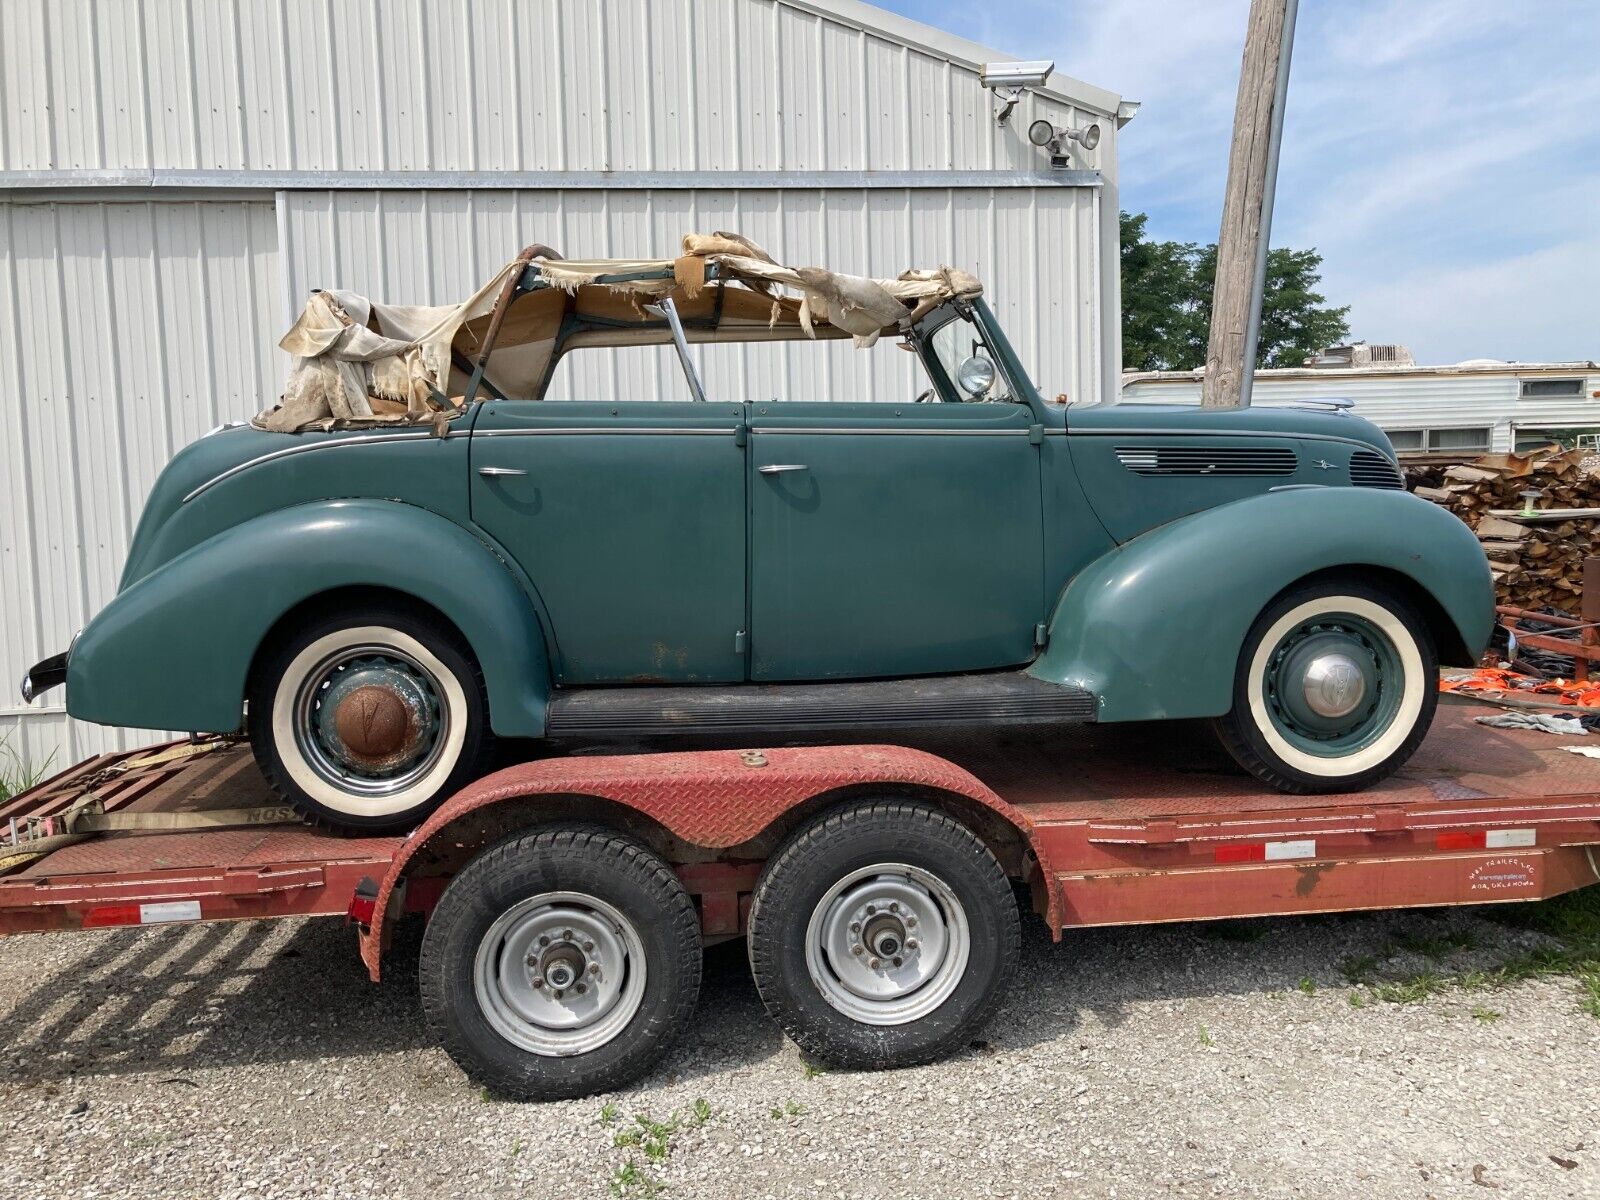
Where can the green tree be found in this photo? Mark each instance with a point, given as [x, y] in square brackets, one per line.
[1166, 304]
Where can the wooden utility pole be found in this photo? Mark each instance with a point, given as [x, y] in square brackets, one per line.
[1247, 205]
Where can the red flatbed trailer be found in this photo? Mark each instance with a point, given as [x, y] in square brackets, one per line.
[1108, 825]
[1130, 832]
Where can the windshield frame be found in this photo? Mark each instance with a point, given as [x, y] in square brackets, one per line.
[1019, 388]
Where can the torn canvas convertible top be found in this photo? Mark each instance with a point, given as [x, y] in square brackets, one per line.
[358, 361]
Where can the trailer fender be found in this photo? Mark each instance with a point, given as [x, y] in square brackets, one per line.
[173, 650]
[712, 800]
[1155, 627]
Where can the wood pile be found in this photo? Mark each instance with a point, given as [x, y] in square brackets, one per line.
[1536, 562]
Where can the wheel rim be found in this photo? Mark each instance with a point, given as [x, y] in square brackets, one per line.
[1333, 684]
[888, 944]
[369, 719]
[560, 974]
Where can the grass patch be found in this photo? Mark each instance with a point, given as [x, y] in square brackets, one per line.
[653, 1139]
[1307, 985]
[791, 1109]
[1485, 1016]
[1571, 922]
[15, 776]
[1205, 1037]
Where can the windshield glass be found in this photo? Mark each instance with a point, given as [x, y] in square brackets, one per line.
[968, 364]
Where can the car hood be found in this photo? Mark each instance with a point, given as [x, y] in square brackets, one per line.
[1194, 420]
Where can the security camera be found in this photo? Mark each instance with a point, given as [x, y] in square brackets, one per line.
[1008, 80]
[1016, 74]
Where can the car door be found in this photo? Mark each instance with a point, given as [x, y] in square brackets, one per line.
[893, 540]
[629, 518]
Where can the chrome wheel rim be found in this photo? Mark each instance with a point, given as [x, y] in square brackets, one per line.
[559, 974]
[1333, 684]
[888, 944]
[405, 730]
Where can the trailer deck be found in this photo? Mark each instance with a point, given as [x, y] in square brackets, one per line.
[1129, 828]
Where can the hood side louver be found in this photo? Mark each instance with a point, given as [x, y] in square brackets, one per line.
[1368, 468]
[1208, 460]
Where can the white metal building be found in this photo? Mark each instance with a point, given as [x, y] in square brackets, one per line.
[175, 176]
[1471, 408]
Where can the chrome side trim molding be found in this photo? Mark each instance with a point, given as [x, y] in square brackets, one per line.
[370, 439]
[876, 430]
[562, 431]
[1135, 431]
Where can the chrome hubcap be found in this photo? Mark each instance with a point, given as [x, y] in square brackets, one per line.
[560, 974]
[887, 944]
[1334, 685]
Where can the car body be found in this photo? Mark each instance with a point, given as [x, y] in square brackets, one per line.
[609, 569]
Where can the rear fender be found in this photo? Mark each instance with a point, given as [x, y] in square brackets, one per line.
[173, 651]
[1154, 628]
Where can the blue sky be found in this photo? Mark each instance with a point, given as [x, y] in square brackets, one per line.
[1444, 155]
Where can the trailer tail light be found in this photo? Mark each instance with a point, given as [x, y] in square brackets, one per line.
[363, 903]
[164, 913]
[1484, 839]
[1236, 852]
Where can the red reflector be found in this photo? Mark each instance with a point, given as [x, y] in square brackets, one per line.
[1461, 839]
[111, 914]
[361, 910]
[1242, 852]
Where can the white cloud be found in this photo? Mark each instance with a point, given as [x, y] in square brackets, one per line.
[1435, 150]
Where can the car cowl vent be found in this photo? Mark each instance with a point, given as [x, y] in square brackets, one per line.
[1208, 460]
[1368, 468]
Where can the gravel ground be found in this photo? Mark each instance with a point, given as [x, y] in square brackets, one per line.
[255, 1060]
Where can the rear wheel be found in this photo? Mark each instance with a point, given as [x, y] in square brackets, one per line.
[369, 719]
[560, 962]
[882, 935]
[1337, 684]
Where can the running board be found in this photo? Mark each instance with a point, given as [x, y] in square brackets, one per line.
[1011, 698]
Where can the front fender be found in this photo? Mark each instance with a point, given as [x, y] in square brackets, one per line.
[1154, 628]
[173, 650]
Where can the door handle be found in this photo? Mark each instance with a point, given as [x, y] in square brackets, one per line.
[780, 468]
[499, 472]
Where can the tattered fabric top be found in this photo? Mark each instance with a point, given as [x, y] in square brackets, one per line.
[358, 362]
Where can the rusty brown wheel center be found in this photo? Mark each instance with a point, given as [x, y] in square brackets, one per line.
[370, 719]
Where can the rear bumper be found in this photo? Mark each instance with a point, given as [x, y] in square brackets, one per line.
[43, 676]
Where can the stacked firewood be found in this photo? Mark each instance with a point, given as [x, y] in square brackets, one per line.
[1534, 562]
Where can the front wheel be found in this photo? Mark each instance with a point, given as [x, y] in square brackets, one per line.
[1337, 684]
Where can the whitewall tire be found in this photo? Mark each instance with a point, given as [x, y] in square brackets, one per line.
[1337, 683]
[368, 720]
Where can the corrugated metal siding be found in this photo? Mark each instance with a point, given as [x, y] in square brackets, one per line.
[126, 331]
[358, 85]
[1401, 402]
[1029, 246]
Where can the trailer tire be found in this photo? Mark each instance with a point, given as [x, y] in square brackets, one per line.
[882, 934]
[606, 929]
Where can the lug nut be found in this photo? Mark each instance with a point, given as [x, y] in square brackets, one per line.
[911, 922]
[894, 906]
[581, 988]
[898, 960]
[855, 926]
[594, 968]
[874, 963]
[544, 939]
[588, 947]
[567, 934]
[858, 949]
[533, 960]
[557, 993]
[538, 983]
[871, 908]
[911, 943]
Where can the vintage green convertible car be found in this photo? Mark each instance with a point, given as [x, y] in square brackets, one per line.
[415, 554]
